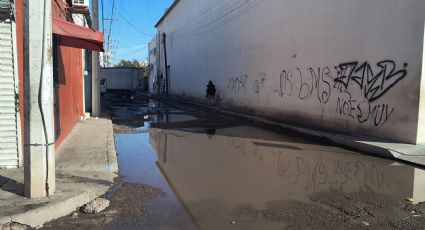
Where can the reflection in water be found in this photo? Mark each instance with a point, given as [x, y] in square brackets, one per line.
[243, 177]
[171, 117]
[161, 113]
[138, 171]
[229, 170]
[156, 115]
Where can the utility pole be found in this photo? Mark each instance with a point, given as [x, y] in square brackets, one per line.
[158, 64]
[95, 65]
[103, 16]
[103, 29]
[167, 80]
[39, 167]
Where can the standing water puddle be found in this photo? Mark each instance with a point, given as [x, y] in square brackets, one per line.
[249, 178]
[145, 199]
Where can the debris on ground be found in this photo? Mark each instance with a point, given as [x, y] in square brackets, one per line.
[135, 197]
[14, 226]
[95, 206]
[123, 129]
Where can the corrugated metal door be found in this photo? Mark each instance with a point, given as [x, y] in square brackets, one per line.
[9, 110]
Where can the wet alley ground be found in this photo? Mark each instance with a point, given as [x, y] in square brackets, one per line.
[183, 167]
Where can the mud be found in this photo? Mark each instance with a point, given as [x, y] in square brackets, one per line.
[300, 215]
[135, 198]
[129, 209]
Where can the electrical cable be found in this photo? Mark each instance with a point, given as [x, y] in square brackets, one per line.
[217, 21]
[232, 18]
[132, 25]
[40, 90]
[217, 6]
[108, 44]
[64, 12]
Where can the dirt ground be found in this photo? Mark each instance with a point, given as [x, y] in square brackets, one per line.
[130, 208]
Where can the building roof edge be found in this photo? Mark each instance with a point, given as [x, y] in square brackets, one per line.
[167, 12]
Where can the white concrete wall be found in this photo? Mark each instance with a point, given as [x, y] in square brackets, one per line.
[351, 66]
[122, 78]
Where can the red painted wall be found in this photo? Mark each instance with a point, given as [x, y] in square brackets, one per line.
[70, 69]
[20, 45]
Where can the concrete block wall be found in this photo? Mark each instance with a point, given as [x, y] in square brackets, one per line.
[349, 66]
[122, 78]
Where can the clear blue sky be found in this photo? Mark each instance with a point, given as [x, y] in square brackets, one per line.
[133, 26]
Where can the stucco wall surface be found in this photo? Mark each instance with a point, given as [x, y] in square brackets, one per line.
[70, 89]
[122, 78]
[350, 66]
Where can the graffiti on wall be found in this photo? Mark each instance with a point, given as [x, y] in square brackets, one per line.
[354, 87]
[374, 82]
[320, 175]
[258, 85]
[238, 84]
[305, 85]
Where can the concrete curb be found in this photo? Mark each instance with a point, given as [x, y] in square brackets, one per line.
[5, 220]
[110, 147]
[378, 147]
[73, 194]
[39, 216]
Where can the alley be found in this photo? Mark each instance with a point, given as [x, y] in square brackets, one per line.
[184, 167]
[218, 114]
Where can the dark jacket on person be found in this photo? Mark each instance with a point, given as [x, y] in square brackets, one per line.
[211, 89]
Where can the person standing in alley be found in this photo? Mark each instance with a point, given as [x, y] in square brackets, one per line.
[211, 92]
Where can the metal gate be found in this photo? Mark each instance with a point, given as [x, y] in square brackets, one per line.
[10, 144]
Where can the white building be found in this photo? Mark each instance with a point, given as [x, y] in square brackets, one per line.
[153, 65]
[341, 65]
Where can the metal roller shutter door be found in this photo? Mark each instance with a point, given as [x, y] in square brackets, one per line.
[9, 152]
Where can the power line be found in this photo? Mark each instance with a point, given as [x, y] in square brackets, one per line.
[125, 11]
[132, 25]
[137, 29]
[109, 47]
[216, 7]
[225, 20]
[231, 13]
[112, 21]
